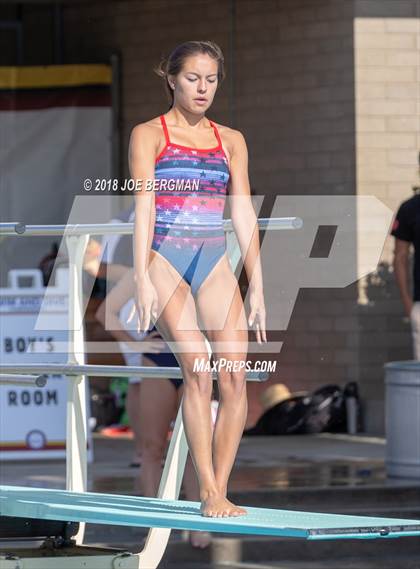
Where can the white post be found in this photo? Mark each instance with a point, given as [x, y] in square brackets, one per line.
[76, 433]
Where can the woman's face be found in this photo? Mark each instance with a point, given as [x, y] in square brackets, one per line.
[196, 83]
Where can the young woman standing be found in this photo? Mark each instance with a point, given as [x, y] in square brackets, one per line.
[183, 278]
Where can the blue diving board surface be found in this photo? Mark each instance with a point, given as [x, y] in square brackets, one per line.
[116, 509]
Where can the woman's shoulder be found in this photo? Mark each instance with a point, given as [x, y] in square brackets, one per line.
[151, 126]
[149, 132]
[232, 138]
[229, 134]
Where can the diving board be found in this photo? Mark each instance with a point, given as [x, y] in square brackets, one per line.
[112, 509]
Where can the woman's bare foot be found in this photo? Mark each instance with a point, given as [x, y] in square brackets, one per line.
[241, 510]
[215, 505]
[223, 492]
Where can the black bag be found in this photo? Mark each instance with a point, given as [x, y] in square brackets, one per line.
[322, 411]
[326, 411]
[285, 418]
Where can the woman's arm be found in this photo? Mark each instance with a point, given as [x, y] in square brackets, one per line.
[245, 225]
[112, 271]
[100, 269]
[142, 153]
[109, 271]
[108, 314]
[108, 311]
[400, 263]
[141, 157]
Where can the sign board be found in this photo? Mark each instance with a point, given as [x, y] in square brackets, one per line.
[33, 419]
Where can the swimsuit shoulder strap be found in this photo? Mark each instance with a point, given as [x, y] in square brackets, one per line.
[165, 129]
[216, 132]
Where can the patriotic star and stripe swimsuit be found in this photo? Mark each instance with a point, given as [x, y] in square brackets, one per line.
[189, 223]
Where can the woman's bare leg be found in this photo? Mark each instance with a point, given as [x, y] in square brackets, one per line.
[175, 299]
[132, 404]
[192, 492]
[155, 394]
[227, 331]
[161, 394]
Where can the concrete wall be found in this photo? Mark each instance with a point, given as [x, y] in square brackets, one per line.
[295, 103]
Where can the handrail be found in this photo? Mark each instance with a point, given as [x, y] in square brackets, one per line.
[18, 228]
[11, 378]
[108, 371]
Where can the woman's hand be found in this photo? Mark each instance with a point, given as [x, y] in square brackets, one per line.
[145, 303]
[257, 314]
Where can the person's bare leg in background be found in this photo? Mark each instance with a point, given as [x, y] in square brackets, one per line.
[132, 405]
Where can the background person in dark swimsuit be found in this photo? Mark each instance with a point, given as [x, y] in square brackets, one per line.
[163, 359]
[109, 260]
[406, 230]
